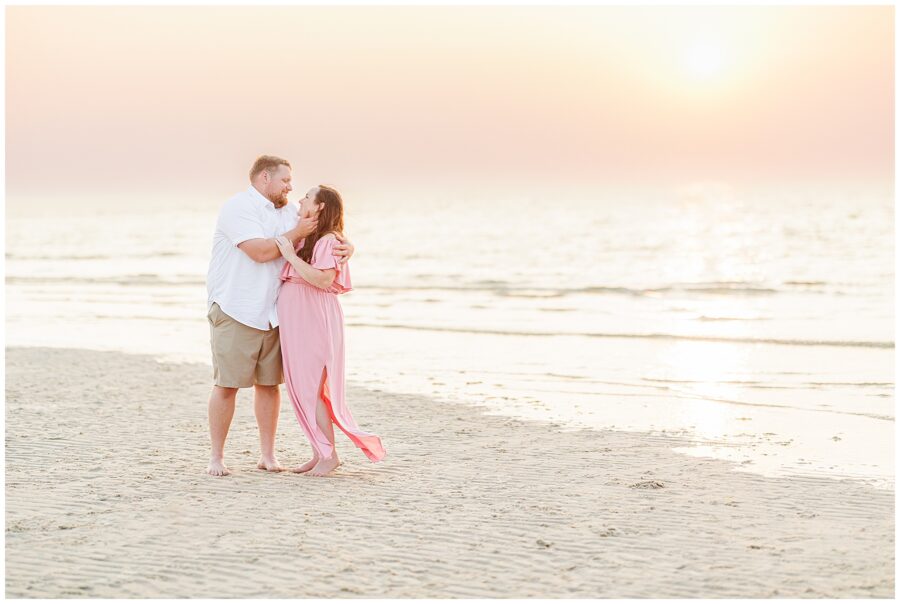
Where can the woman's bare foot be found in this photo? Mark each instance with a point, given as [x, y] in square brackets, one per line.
[307, 466]
[269, 464]
[325, 466]
[217, 468]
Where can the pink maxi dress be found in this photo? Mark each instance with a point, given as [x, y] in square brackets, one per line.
[311, 327]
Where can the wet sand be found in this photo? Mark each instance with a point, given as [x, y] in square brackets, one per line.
[106, 496]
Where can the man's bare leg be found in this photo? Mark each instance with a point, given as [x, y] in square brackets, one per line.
[221, 412]
[266, 405]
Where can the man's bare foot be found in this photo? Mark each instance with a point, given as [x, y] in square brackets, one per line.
[307, 466]
[269, 465]
[217, 468]
[325, 466]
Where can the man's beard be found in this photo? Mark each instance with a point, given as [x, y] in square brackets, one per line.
[279, 199]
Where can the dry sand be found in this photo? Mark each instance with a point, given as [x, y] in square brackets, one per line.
[106, 496]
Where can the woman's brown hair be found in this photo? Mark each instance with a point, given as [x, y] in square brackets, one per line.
[331, 220]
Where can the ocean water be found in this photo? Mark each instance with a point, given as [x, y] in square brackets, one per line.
[760, 328]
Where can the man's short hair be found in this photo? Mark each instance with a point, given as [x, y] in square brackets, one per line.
[267, 162]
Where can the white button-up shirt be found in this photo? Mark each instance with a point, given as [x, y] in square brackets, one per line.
[246, 290]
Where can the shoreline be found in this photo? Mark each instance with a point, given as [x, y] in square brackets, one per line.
[831, 432]
[107, 497]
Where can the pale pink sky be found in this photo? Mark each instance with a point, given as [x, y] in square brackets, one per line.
[183, 98]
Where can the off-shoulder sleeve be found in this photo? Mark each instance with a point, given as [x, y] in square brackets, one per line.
[323, 258]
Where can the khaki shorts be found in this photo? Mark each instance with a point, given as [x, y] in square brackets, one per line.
[243, 356]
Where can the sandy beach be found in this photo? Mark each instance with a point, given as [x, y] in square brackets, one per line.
[106, 496]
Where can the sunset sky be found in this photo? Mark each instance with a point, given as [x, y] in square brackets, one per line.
[155, 100]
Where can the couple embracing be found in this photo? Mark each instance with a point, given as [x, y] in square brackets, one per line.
[276, 270]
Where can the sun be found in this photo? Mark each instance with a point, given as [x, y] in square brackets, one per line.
[703, 60]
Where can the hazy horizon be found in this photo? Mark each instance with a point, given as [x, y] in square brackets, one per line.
[150, 100]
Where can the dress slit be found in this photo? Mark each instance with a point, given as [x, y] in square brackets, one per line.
[369, 443]
[312, 347]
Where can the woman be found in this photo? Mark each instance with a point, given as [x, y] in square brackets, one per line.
[311, 326]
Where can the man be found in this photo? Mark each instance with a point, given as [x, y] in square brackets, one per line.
[242, 286]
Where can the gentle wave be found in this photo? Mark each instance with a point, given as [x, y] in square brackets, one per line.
[805, 283]
[497, 288]
[140, 279]
[116, 257]
[647, 336]
[712, 319]
[497, 332]
[503, 288]
[879, 416]
[789, 386]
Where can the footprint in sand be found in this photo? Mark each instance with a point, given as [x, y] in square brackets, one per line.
[647, 484]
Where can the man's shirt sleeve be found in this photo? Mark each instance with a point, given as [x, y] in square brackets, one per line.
[240, 222]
